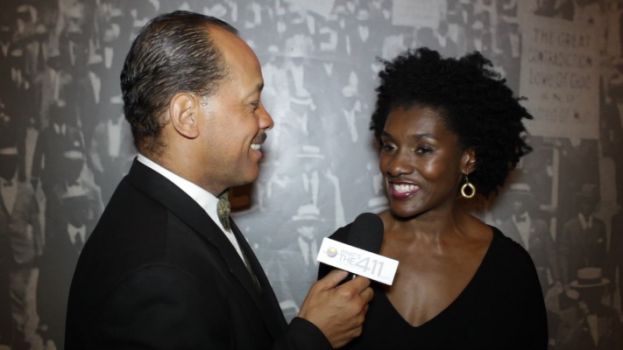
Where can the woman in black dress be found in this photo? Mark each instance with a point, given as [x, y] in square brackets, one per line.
[449, 129]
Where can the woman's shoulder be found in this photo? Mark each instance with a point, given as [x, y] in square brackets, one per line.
[507, 244]
[509, 254]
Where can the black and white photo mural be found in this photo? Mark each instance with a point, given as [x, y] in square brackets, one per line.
[64, 142]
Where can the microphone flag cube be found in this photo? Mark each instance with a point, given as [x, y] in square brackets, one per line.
[357, 261]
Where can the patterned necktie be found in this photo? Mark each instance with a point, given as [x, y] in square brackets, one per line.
[223, 210]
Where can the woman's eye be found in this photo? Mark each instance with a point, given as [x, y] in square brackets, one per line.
[423, 150]
[387, 147]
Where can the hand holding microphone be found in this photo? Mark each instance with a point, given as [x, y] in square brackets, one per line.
[338, 310]
[335, 304]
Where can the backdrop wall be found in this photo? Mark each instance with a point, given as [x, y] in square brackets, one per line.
[64, 144]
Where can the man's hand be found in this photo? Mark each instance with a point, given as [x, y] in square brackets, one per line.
[338, 311]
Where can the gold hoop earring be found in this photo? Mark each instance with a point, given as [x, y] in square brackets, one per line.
[468, 190]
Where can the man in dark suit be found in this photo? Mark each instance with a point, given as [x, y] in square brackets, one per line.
[56, 265]
[160, 270]
[19, 224]
[531, 232]
[591, 324]
[615, 254]
[8, 169]
[582, 241]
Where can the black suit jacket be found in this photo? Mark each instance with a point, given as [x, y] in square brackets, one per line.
[158, 273]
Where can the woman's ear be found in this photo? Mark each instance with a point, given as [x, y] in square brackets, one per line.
[468, 161]
[183, 114]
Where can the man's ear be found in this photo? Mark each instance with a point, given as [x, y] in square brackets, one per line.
[184, 114]
[468, 161]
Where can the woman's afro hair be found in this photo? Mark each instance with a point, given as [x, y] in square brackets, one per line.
[474, 101]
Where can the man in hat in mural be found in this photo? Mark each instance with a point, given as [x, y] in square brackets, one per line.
[590, 324]
[527, 228]
[532, 232]
[582, 241]
[295, 265]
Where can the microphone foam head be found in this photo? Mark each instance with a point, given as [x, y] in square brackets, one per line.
[366, 232]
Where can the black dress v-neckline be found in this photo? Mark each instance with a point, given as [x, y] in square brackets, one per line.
[384, 301]
[500, 308]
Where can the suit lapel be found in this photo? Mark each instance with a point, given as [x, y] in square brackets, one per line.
[189, 212]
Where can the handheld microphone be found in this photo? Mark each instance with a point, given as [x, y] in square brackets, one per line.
[366, 233]
[358, 254]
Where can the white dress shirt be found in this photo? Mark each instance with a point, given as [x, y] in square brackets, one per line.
[205, 199]
[523, 223]
[8, 194]
[77, 235]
